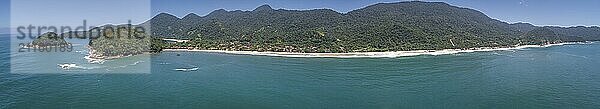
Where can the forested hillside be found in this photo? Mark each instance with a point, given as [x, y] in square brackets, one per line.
[381, 27]
[49, 39]
[397, 26]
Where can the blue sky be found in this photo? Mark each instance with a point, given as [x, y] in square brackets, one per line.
[537, 12]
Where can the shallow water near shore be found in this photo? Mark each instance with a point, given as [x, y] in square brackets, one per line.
[565, 76]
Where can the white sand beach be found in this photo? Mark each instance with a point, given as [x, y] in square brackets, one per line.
[368, 54]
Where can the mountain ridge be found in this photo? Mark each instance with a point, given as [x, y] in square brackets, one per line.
[399, 26]
[413, 25]
[224, 10]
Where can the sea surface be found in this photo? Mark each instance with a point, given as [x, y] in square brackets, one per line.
[560, 77]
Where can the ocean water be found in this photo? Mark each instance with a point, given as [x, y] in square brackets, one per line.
[30, 61]
[562, 77]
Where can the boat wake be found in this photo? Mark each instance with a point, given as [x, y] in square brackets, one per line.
[94, 61]
[72, 66]
[136, 62]
[132, 64]
[503, 55]
[186, 69]
[192, 68]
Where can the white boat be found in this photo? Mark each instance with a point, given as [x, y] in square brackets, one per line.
[187, 69]
[67, 66]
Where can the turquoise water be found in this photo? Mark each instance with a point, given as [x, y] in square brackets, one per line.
[535, 78]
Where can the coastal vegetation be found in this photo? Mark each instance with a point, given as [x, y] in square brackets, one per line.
[398, 26]
[118, 41]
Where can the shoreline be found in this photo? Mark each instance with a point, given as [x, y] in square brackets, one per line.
[390, 54]
[94, 58]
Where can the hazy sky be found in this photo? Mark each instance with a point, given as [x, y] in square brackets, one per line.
[4, 15]
[70, 12]
[74, 12]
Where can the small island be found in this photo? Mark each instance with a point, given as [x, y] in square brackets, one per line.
[49, 39]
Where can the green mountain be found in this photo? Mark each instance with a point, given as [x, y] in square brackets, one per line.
[579, 33]
[398, 26]
[541, 35]
[49, 39]
[522, 27]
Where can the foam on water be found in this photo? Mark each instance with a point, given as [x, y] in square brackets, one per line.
[75, 66]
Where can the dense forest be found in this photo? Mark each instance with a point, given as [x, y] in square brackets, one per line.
[49, 39]
[397, 26]
[116, 41]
